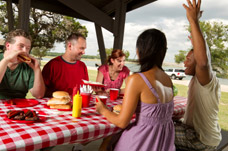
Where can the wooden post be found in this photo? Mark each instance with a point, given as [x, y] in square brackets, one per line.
[10, 15]
[101, 45]
[119, 24]
[24, 11]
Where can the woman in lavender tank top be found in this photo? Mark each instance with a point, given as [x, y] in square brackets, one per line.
[148, 95]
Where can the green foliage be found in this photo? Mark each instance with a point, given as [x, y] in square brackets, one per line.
[127, 54]
[3, 23]
[181, 56]
[109, 51]
[175, 90]
[40, 52]
[45, 27]
[54, 54]
[90, 57]
[216, 36]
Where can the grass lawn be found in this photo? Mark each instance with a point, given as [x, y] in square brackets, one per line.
[182, 91]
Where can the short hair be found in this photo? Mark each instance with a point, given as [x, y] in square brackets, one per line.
[115, 54]
[15, 33]
[151, 46]
[74, 36]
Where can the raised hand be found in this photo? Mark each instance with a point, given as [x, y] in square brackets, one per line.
[193, 10]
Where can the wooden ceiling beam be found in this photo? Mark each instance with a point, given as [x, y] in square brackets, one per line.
[57, 8]
[91, 12]
[111, 7]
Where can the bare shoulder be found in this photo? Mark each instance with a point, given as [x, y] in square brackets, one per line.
[163, 78]
[134, 85]
[134, 79]
[135, 76]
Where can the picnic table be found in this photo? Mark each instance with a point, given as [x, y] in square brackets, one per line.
[59, 127]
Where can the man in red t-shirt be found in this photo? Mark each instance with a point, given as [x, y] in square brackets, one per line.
[65, 72]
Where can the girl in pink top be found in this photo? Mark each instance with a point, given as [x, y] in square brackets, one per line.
[114, 72]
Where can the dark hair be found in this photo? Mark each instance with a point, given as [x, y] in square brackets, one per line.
[15, 33]
[74, 36]
[115, 54]
[151, 48]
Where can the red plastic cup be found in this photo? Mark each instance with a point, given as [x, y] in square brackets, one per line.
[103, 98]
[113, 94]
[85, 99]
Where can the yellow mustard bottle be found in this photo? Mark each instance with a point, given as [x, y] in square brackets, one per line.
[77, 105]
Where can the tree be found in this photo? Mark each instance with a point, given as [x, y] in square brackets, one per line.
[109, 51]
[40, 52]
[181, 56]
[216, 36]
[45, 27]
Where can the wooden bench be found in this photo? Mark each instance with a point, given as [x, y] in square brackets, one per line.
[224, 143]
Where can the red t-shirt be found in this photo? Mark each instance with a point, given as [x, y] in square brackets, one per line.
[60, 75]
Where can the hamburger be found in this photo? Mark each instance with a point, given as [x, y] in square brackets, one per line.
[117, 108]
[24, 58]
[60, 100]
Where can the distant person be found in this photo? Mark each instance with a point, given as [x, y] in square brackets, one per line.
[17, 77]
[114, 72]
[149, 96]
[200, 129]
[65, 72]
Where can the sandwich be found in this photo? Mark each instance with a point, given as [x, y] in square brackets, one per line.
[60, 100]
[117, 108]
[24, 58]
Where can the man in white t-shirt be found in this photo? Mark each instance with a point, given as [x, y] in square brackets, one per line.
[200, 129]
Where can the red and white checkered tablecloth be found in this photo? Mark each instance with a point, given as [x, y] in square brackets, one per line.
[60, 127]
[179, 107]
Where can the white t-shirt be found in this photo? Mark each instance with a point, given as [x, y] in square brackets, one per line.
[202, 110]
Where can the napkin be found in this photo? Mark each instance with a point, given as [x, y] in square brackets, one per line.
[86, 89]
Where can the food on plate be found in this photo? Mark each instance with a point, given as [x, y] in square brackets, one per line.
[60, 100]
[24, 58]
[117, 108]
[92, 83]
[27, 115]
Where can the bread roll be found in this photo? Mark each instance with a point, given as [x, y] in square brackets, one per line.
[60, 106]
[61, 95]
[58, 101]
[117, 108]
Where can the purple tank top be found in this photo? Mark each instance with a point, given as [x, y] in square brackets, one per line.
[153, 129]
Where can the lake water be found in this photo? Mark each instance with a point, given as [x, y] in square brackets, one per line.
[134, 67]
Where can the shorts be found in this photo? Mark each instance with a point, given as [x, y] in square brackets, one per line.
[186, 138]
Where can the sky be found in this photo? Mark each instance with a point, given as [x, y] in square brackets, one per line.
[168, 16]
